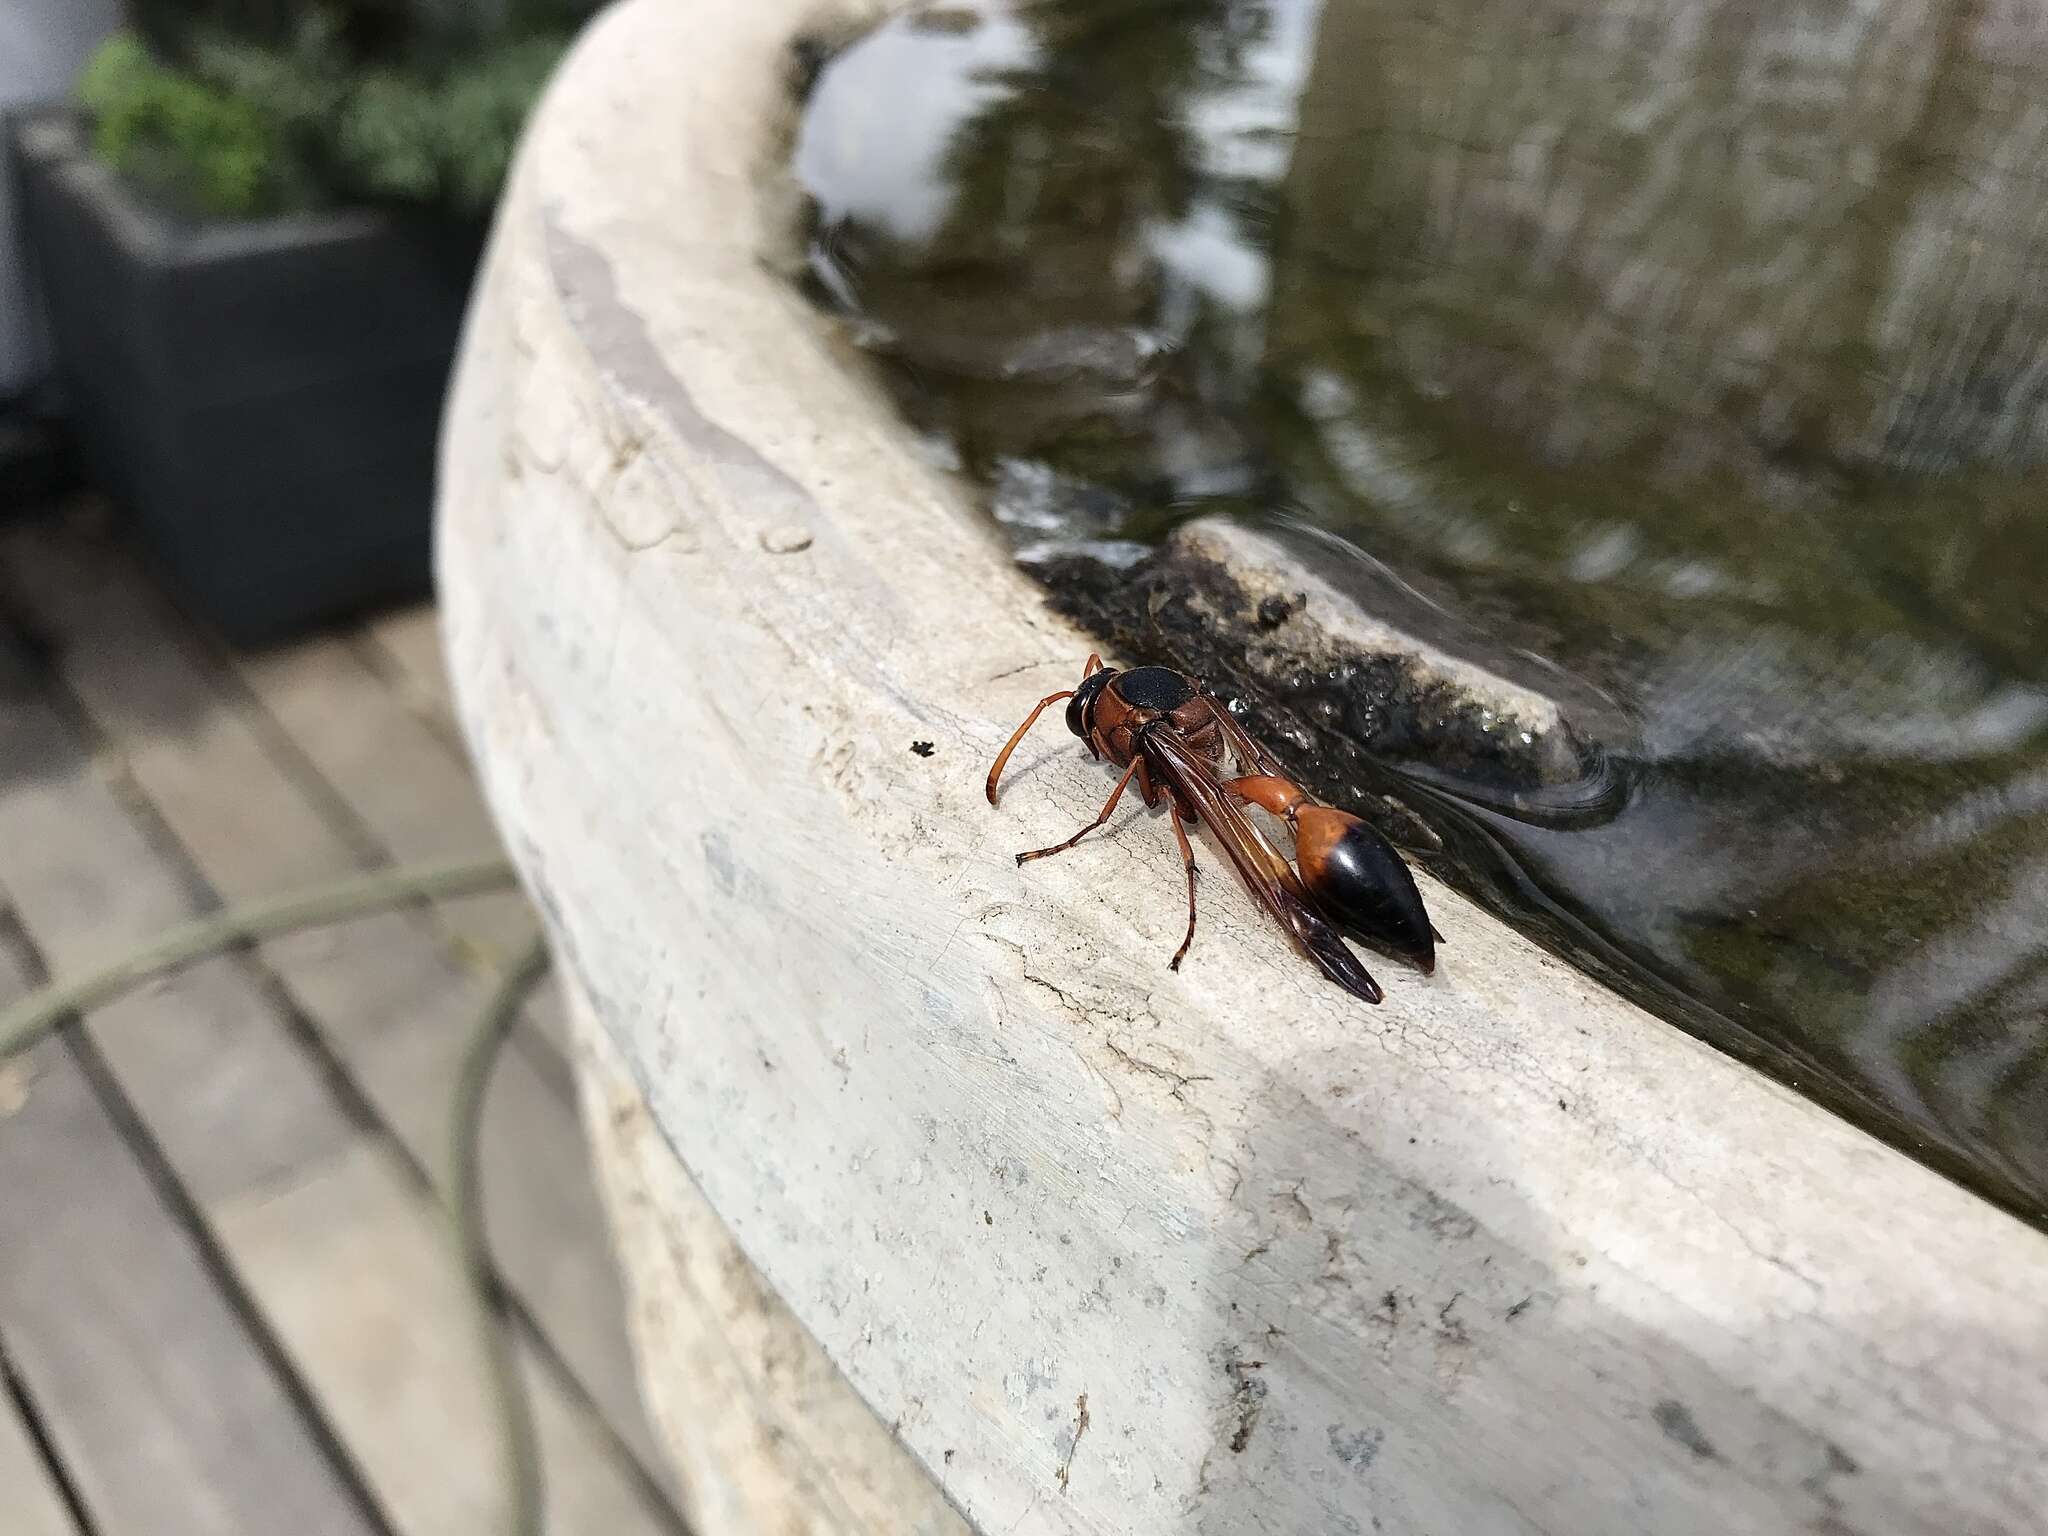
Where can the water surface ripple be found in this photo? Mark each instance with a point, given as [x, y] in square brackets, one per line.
[1697, 357]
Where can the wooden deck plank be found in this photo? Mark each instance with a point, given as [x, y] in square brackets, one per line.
[407, 643]
[400, 1026]
[164, 1412]
[389, 1000]
[369, 782]
[406, 784]
[200, 1054]
[81, 829]
[374, 715]
[412, 792]
[365, 1289]
[35, 1506]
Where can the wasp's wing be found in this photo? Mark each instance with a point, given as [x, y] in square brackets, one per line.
[1264, 872]
[1251, 756]
[1260, 760]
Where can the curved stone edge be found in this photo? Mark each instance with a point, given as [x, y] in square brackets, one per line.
[1329, 681]
[1504, 1254]
[766, 1434]
[1313, 617]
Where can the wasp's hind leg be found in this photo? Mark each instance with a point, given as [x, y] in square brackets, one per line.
[1187, 859]
[1187, 855]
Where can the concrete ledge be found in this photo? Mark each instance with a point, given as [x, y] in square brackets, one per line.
[1105, 1247]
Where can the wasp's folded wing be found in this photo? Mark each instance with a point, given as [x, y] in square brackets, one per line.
[1264, 872]
[1252, 756]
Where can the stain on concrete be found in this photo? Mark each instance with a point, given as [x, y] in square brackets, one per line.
[1356, 1448]
[1677, 1422]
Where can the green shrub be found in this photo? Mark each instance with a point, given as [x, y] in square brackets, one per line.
[182, 140]
[448, 141]
[375, 32]
[259, 122]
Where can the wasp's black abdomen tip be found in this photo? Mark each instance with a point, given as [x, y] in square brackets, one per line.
[1363, 886]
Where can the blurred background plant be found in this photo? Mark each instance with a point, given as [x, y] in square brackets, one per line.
[248, 108]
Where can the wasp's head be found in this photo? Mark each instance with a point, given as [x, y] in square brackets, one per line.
[1081, 707]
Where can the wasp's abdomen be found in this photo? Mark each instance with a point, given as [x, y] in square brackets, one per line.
[1361, 884]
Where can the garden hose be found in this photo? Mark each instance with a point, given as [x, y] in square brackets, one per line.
[36, 1015]
[43, 1011]
[518, 1443]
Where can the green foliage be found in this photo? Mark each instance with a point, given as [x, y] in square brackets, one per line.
[390, 138]
[369, 100]
[184, 141]
[449, 141]
[377, 33]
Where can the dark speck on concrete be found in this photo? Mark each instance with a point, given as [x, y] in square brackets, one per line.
[923, 748]
[1248, 1397]
[1442, 1218]
[1357, 1448]
[1839, 1463]
[718, 859]
[1676, 1420]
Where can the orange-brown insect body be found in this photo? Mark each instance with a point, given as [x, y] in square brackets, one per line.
[1172, 737]
[1133, 700]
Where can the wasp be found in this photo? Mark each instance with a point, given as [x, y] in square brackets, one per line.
[1171, 735]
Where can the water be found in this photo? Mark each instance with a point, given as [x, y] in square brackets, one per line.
[1695, 362]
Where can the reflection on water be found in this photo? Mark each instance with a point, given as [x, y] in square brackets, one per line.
[1699, 352]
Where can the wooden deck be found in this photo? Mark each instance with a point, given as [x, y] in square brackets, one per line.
[228, 1303]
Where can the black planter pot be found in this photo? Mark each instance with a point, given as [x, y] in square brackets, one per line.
[262, 397]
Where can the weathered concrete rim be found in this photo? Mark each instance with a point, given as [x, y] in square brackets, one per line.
[1505, 1226]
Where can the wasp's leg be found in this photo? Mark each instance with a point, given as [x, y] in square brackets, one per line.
[1017, 735]
[1153, 795]
[1109, 806]
[1145, 786]
[1093, 665]
[1187, 858]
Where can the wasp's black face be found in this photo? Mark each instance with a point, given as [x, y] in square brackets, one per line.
[1082, 705]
